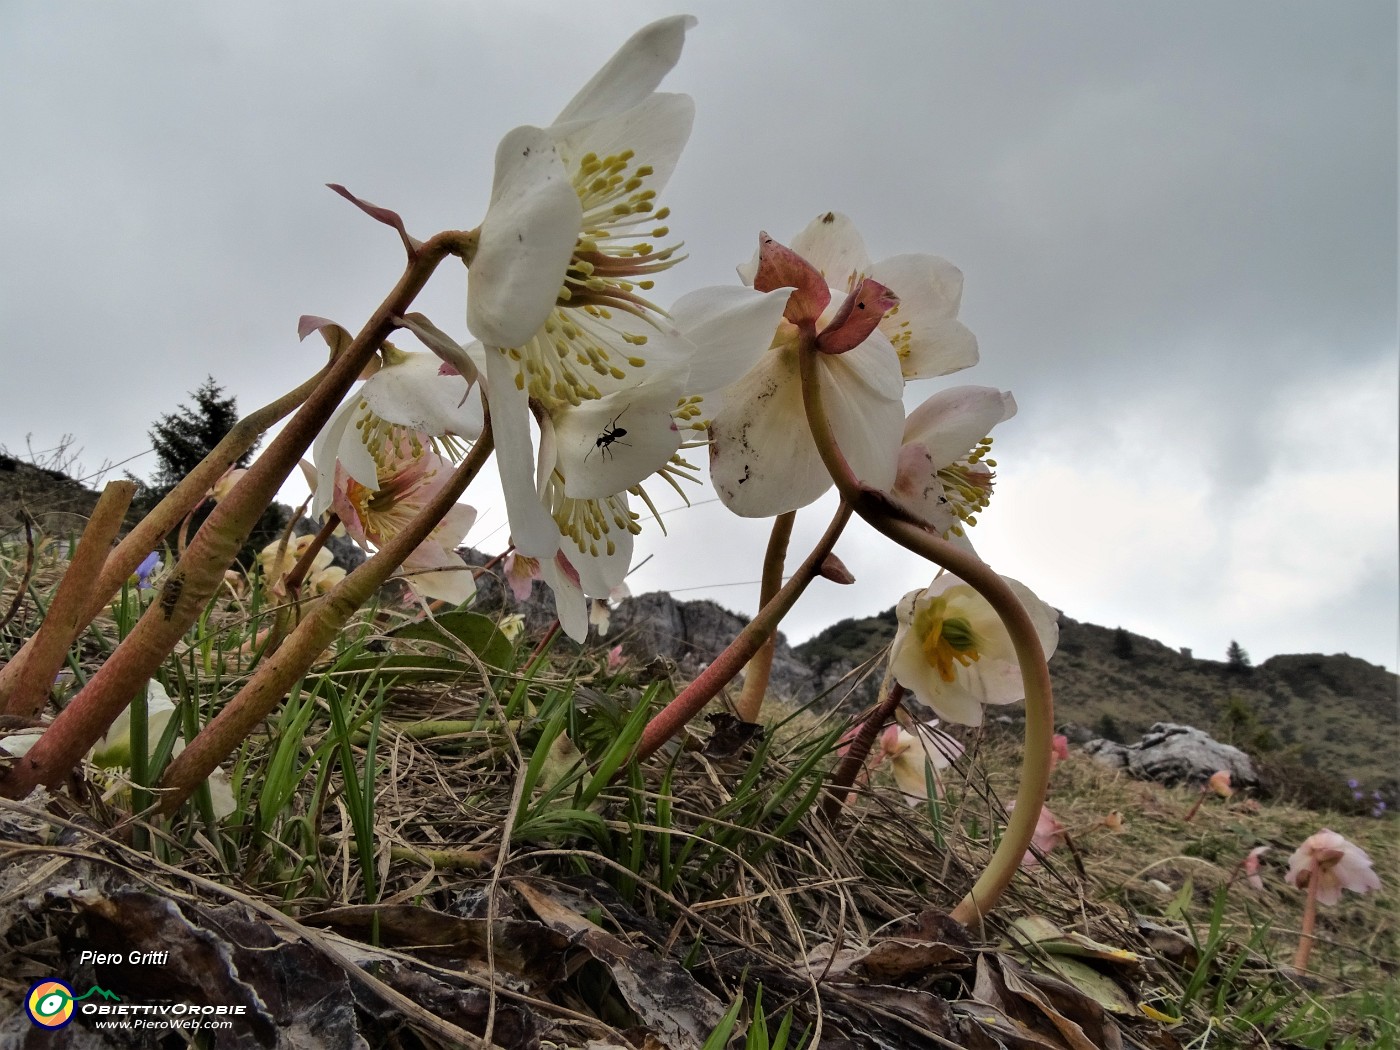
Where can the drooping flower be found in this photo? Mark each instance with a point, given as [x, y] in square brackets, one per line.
[953, 652]
[914, 755]
[1337, 863]
[227, 480]
[408, 475]
[1059, 749]
[1219, 783]
[1252, 866]
[923, 327]
[763, 459]
[277, 559]
[408, 392]
[945, 475]
[1049, 833]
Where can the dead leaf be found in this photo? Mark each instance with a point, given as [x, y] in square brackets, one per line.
[662, 994]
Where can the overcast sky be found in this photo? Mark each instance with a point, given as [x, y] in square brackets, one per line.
[1177, 224]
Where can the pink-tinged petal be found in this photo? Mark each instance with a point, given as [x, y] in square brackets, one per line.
[729, 327]
[455, 525]
[526, 240]
[521, 572]
[951, 422]
[655, 131]
[340, 441]
[834, 246]
[336, 337]
[384, 215]
[413, 394]
[569, 603]
[856, 318]
[532, 529]
[443, 345]
[608, 445]
[919, 490]
[633, 72]
[432, 571]
[1252, 866]
[781, 267]
[1219, 783]
[762, 458]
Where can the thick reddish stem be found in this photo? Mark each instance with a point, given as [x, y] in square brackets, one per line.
[760, 668]
[689, 702]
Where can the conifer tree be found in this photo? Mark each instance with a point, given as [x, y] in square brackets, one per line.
[184, 437]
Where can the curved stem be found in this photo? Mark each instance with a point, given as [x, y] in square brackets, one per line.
[854, 759]
[317, 629]
[200, 572]
[689, 701]
[877, 510]
[760, 668]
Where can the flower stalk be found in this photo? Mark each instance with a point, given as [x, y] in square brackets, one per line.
[760, 668]
[1305, 937]
[893, 522]
[856, 754]
[689, 701]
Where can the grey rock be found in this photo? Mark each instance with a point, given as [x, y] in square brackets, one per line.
[1175, 754]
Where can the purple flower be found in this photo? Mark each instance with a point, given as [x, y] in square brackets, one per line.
[150, 565]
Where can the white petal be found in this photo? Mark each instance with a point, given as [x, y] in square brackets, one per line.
[526, 240]
[868, 424]
[569, 603]
[600, 574]
[834, 246]
[633, 72]
[930, 285]
[952, 421]
[655, 130]
[949, 699]
[609, 445]
[414, 394]
[762, 458]
[432, 572]
[532, 529]
[730, 327]
[939, 349]
[340, 440]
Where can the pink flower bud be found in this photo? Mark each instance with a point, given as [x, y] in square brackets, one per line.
[835, 570]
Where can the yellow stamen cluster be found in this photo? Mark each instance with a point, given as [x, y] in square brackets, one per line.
[967, 484]
[947, 642]
[597, 326]
[589, 522]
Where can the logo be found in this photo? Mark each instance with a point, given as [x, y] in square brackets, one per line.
[50, 1003]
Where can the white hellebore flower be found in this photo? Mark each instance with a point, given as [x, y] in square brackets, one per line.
[409, 392]
[556, 290]
[914, 755]
[763, 460]
[945, 476]
[923, 327]
[953, 653]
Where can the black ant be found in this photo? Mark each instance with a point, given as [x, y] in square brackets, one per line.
[611, 433]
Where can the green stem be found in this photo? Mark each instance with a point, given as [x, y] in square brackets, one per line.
[276, 675]
[877, 510]
[689, 701]
[760, 668]
[200, 571]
